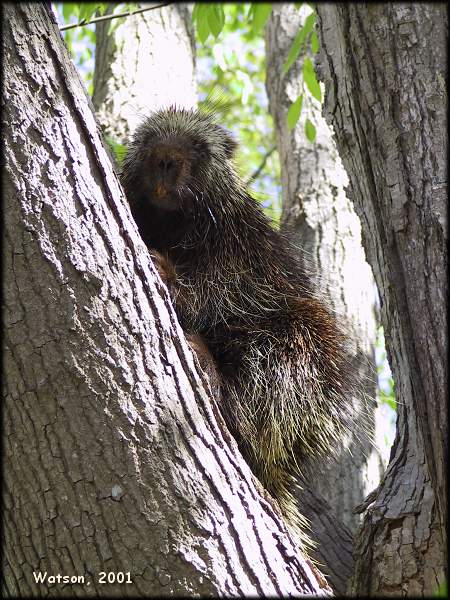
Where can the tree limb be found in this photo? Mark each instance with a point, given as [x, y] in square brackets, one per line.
[256, 173]
[83, 22]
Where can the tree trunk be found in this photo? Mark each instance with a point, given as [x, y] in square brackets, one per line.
[146, 63]
[321, 219]
[384, 68]
[116, 459]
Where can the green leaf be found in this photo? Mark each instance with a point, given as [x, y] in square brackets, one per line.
[220, 13]
[310, 130]
[298, 41]
[293, 52]
[203, 30]
[82, 13]
[69, 9]
[388, 399]
[87, 9]
[215, 18]
[200, 15]
[117, 148]
[309, 23]
[310, 79]
[314, 42]
[102, 8]
[129, 7]
[260, 15]
[298, 5]
[294, 112]
[202, 10]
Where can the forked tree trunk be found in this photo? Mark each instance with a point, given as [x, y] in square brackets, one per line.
[116, 52]
[384, 68]
[116, 460]
[320, 219]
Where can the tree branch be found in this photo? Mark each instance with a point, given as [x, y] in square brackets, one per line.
[256, 173]
[110, 17]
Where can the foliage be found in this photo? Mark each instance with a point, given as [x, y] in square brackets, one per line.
[294, 111]
[385, 380]
[116, 148]
[211, 19]
[231, 74]
[83, 12]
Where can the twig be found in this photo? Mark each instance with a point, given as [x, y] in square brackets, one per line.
[109, 17]
[261, 166]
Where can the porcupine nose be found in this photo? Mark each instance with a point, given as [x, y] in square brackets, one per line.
[166, 171]
[169, 168]
[166, 165]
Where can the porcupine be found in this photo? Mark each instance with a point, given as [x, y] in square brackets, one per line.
[285, 370]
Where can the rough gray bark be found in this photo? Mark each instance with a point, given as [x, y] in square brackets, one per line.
[115, 458]
[384, 68]
[147, 63]
[334, 552]
[320, 218]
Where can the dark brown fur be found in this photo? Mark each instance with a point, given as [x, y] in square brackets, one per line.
[286, 377]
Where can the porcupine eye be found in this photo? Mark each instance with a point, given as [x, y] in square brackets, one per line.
[201, 150]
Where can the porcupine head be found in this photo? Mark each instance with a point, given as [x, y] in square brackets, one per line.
[174, 156]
